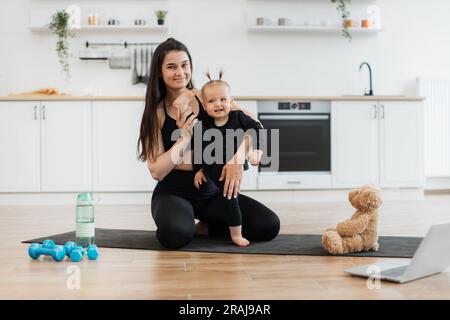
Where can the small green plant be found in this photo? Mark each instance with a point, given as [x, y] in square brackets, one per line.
[161, 15]
[59, 25]
[342, 8]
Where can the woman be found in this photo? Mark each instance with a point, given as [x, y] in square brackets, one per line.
[172, 103]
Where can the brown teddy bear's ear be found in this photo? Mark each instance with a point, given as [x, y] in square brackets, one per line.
[370, 198]
[353, 198]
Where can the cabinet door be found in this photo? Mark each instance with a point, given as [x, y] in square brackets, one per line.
[116, 132]
[19, 145]
[250, 178]
[66, 146]
[354, 143]
[401, 144]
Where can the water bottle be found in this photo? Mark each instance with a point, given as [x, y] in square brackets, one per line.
[85, 230]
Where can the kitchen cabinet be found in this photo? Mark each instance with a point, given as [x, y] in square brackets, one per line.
[401, 144]
[116, 131]
[66, 134]
[46, 146]
[377, 142]
[20, 146]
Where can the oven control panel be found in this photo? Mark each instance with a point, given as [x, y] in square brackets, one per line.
[294, 105]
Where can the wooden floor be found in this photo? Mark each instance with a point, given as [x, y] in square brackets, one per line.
[145, 274]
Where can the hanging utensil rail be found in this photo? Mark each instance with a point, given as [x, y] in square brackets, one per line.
[124, 44]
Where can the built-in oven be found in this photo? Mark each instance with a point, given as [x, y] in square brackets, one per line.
[301, 147]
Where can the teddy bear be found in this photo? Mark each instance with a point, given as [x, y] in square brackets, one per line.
[360, 232]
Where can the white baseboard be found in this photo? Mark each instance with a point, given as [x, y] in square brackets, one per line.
[437, 183]
[101, 198]
[334, 195]
[144, 198]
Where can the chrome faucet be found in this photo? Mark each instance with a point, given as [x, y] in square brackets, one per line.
[370, 93]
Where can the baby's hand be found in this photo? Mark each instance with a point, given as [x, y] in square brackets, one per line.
[254, 157]
[199, 178]
[183, 101]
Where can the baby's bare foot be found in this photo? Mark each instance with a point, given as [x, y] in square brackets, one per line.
[240, 241]
[237, 238]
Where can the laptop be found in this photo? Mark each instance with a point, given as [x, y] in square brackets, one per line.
[432, 256]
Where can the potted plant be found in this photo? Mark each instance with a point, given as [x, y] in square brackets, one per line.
[161, 16]
[346, 23]
[59, 25]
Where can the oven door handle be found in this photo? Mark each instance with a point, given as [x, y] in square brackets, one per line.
[294, 117]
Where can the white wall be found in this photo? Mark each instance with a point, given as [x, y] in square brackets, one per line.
[415, 41]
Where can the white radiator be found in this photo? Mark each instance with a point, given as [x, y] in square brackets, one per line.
[436, 126]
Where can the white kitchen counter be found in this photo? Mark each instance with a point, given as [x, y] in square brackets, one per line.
[373, 140]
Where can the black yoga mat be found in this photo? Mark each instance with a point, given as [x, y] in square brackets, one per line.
[283, 244]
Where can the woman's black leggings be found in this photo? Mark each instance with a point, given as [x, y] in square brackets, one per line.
[174, 217]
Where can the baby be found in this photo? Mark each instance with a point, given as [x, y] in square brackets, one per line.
[217, 104]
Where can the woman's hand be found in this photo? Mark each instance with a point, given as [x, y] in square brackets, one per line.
[232, 173]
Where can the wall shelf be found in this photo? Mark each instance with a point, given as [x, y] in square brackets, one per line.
[94, 28]
[312, 16]
[312, 29]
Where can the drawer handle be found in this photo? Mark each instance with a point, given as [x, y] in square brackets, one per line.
[375, 112]
[294, 117]
[294, 182]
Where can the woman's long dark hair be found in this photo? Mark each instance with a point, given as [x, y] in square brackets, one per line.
[156, 92]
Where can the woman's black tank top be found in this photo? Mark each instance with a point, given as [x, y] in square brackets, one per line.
[181, 182]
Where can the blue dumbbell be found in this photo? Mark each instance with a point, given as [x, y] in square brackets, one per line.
[77, 253]
[69, 246]
[48, 244]
[36, 250]
[92, 252]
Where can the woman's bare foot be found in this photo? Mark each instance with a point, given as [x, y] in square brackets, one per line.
[237, 238]
[201, 228]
